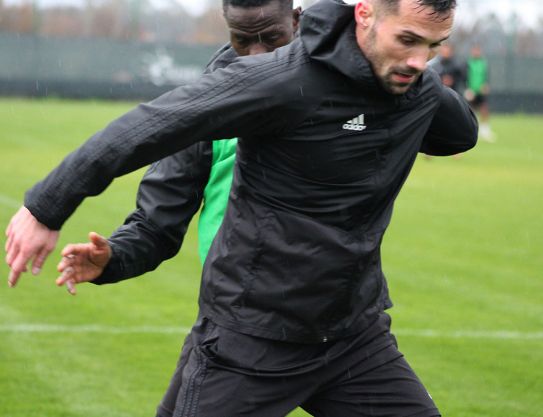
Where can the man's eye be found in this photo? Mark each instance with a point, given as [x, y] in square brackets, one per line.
[407, 41]
[271, 38]
[241, 40]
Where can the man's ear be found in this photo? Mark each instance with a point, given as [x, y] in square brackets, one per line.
[296, 18]
[363, 11]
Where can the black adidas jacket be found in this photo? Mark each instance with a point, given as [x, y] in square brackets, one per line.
[298, 255]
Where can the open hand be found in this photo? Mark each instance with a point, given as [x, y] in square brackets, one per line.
[83, 262]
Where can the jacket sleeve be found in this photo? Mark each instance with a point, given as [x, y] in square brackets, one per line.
[237, 101]
[454, 127]
[169, 195]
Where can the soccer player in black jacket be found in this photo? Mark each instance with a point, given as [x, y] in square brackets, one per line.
[293, 295]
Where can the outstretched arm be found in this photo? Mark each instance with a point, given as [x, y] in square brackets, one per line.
[240, 100]
[32, 234]
[168, 197]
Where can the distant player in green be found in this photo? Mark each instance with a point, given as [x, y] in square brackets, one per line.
[477, 80]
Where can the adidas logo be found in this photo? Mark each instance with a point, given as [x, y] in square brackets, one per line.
[356, 124]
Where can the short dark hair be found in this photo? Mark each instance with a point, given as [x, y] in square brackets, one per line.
[255, 3]
[441, 8]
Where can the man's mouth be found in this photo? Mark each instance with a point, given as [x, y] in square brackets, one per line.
[403, 77]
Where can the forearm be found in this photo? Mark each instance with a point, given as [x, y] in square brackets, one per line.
[125, 145]
[168, 197]
[137, 247]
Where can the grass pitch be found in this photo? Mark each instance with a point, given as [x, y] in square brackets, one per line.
[463, 257]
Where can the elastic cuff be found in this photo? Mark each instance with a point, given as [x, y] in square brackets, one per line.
[113, 272]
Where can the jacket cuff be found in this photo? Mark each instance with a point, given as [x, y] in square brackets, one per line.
[42, 212]
[113, 272]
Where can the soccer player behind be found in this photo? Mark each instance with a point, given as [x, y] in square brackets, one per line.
[478, 89]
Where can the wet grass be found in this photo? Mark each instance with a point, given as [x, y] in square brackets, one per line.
[463, 254]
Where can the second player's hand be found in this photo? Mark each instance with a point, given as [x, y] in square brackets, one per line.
[83, 262]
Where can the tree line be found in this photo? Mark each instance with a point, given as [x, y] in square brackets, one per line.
[140, 21]
[130, 20]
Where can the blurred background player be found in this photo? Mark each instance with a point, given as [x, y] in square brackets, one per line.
[450, 69]
[477, 77]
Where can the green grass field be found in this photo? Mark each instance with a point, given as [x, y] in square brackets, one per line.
[463, 257]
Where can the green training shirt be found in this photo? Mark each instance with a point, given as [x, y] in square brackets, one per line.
[477, 74]
[216, 193]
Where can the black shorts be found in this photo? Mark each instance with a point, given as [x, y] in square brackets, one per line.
[227, 374]
[478, 100]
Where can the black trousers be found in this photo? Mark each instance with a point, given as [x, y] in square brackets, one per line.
[222, 373]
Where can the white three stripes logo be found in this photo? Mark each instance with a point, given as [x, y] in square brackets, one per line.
[356, 124]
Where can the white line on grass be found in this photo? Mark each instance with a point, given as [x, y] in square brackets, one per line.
[97, 328]
[470, 334]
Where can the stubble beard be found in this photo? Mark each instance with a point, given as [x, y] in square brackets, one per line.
[384, 77]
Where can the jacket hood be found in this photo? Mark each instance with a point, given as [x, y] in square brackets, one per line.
[327, 30]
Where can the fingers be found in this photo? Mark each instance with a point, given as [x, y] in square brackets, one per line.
[74, 254]
[18, 266]
[12, 222]
[11, 251]
[67, 260]
[12, 254]
[72, 249]
[39, 260]
[70, 286]
[13, 278]
[28, 239]
[12, 227]
[8, 229]
[66, 276]
[9, 239]
[67, 279]
[7, 246]
[18, 259]
[67, 269]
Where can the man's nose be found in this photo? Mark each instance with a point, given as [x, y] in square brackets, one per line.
[257, 48]
[418, 62]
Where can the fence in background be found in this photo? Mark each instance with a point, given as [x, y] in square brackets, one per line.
[99, 68]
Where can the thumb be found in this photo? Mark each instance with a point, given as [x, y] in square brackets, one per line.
[99, 241]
